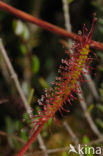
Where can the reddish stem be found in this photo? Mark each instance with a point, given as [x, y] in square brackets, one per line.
[45, 25]
[31, 140]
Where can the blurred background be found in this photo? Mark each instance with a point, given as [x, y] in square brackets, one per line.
[35, 55]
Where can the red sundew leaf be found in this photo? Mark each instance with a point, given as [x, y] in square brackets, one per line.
[67, 83]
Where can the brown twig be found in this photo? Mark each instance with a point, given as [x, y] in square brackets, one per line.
[86, 113]
[42, 145]
[12, 136]
[62, 149]
[91, 84]
[89, 81]
[68, 28]
[17, 84]
[66, 16]
[14, 77]
[49, 151]
[71, 133]
[45, 25]
[4, 71]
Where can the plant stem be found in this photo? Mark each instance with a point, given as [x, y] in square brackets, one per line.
[45, 25]
[31, 140]
[14, 76]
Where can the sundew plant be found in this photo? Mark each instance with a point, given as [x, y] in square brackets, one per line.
[66, 87]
